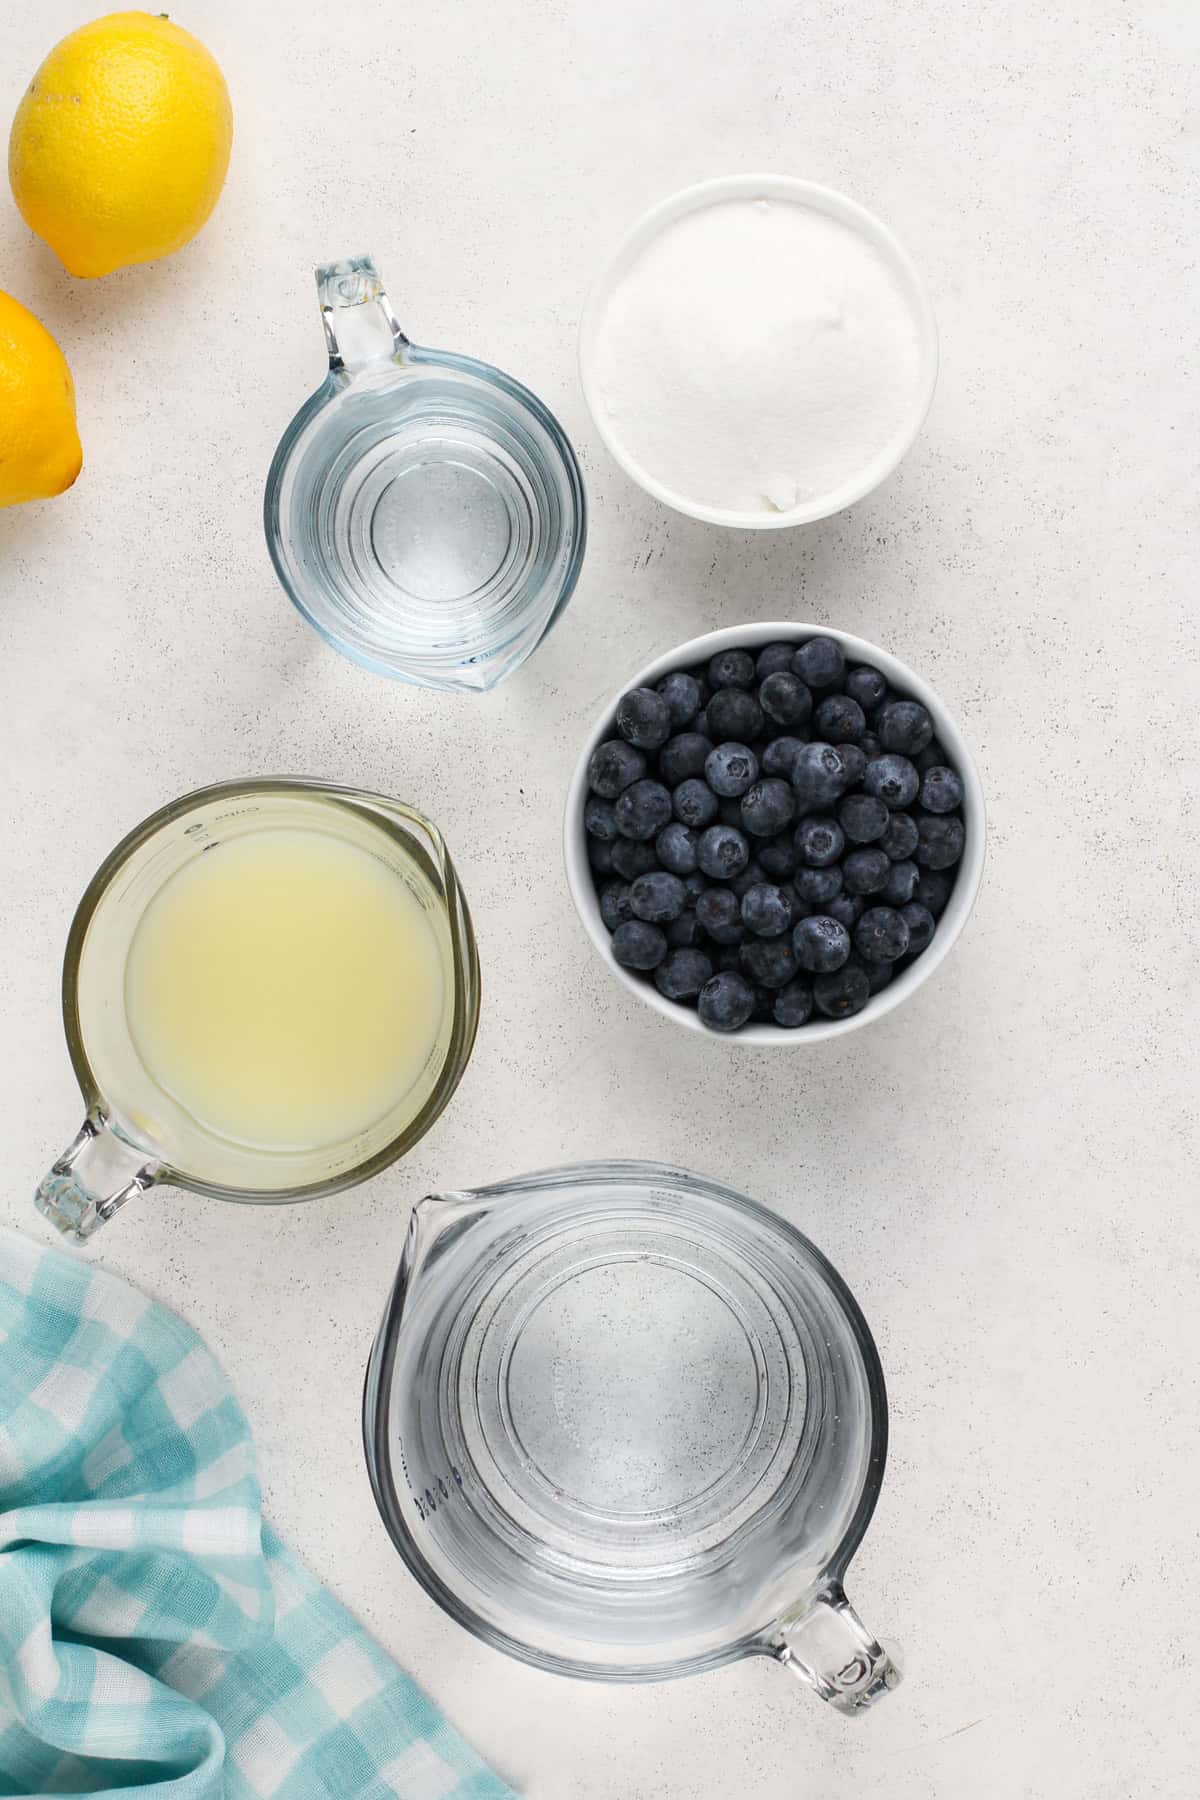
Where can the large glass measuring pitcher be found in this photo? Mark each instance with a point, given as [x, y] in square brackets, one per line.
[625, 1424]
[331, 895]
[424, 511]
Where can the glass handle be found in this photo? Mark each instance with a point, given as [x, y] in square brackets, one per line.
[92, 1179]
[828, 1646]
[361, 330]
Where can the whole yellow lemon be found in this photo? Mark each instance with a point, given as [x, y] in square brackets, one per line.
[39, 445]
[121, 142]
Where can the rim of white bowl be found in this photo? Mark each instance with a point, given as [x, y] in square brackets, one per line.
[959, 907]
[821, 199]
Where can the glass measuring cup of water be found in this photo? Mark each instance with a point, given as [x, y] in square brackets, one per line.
[626, 1424]
[424, 511]
[204, 886]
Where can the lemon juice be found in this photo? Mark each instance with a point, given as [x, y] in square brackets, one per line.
[286, 988]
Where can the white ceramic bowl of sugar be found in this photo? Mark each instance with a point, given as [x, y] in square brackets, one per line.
[632, 417]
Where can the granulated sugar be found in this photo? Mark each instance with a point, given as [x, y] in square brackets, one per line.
[757, 355]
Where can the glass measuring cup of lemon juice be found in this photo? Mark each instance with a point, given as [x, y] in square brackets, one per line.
[270, 992]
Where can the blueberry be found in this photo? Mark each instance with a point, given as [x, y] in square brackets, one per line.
[694, 803]
[731, 668]
[637, 945]
[901, 883]
[614, 766]
[643, 718]
[767, 910]
[866, 685]
[820, 663]
[847, 909]
[693, 886]
[869, 744]
[778, 857]
[769, 961]
[863, 818]
[600, 818]
[900, 838]
[881, 934]
[682, 974]
[720, 914]
[643, 809]
[722, 852]
[764, 1004]
[941, 790]
[682, 695]
[685, 932]
[600, 856]
[772, 658]
[614, 904]
[854, 764]
[892, 779]
[728, 956]
[820, 943]
[931, 757]
[632, 859]
[785, 699]
[733, 715]
[841, 995]
[681, 756]
[768, 807]
[865, 871]
[816, 887]
[921, 926]
[726, 1002]
[779, 757]
[838, 719]
[817, 776]
[878, 974]
[904, 726]
[731, 769]
[793, 1005]
[819, 841]
[741, 883]
[675, 847]
[933, 891]
[940, 839]
[700, 723]
[657, 897]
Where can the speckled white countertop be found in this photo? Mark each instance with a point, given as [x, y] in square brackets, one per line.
[1004, 1170]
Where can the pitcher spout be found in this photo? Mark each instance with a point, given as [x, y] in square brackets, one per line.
[436, 1222]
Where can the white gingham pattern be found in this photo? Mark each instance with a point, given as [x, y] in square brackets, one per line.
[155, 1636]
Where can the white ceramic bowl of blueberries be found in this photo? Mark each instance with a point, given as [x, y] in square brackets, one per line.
[774, 833]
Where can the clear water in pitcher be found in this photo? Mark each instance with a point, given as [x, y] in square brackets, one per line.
[428, 519]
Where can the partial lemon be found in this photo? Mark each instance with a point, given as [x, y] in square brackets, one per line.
[120, 145]
[39, 445]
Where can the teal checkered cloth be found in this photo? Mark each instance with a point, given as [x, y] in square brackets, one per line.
[155, 1637]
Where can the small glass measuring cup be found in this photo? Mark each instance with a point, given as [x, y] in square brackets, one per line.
[625, 1424]
[424, 511]
[135, 1134]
